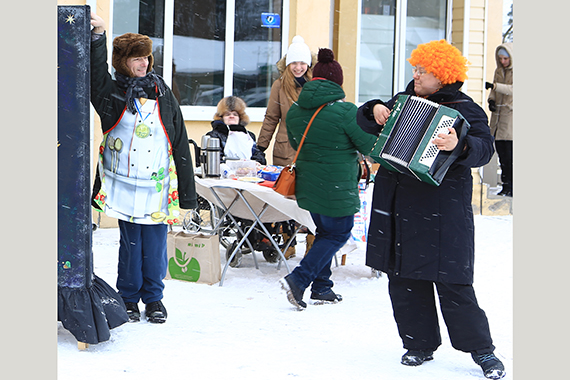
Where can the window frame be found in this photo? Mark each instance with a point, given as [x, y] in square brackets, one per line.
[399, 73]
[204, 113]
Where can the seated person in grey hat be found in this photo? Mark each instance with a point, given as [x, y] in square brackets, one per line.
[145, 169]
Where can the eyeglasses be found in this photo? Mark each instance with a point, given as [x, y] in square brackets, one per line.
[419, 71]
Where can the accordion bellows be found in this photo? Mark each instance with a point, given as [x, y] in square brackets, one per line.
[405, 143]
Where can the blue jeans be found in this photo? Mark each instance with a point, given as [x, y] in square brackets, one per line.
[142, 261]
[315, 267]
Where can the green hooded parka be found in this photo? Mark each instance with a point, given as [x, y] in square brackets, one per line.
[328, 169]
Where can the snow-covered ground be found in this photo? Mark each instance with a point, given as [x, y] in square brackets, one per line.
[246, 329]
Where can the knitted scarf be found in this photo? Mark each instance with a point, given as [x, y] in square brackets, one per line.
[300, 82]
[134, 87]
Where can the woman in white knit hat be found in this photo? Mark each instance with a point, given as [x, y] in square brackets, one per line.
[295, 69]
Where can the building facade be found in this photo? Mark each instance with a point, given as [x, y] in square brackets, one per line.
[206, 50]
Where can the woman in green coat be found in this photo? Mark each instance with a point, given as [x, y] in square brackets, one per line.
[327, 175]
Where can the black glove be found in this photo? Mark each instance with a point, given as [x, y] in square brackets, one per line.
[489, 85]
[262, 149]
[492, 105]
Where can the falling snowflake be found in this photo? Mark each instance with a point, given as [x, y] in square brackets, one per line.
[70, 19]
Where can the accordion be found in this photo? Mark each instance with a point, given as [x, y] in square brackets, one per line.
[405, 143]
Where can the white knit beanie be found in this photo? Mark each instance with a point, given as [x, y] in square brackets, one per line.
[298, 51]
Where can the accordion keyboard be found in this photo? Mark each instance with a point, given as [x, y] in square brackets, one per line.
[409, 131]
[430, 153]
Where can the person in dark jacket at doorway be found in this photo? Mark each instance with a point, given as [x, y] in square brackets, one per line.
[422, 235]
[501, 105]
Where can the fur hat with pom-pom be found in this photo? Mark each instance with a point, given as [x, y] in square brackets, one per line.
[131, 45]
[327, 67]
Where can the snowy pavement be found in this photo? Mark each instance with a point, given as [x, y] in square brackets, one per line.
[247, 329]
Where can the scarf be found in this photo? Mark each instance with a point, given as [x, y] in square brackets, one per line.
[134, 87]
[300, 82]
[219, 126]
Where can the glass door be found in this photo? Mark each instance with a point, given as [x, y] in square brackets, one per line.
[389, 31]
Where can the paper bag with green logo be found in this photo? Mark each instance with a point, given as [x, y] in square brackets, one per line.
[193, 257]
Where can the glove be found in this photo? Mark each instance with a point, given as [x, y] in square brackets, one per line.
[262, 149]
[489, 85]
[492, 105]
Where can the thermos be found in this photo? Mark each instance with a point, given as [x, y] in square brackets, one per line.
[213, 156]
[203, 160]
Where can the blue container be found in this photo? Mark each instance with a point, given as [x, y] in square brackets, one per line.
[271, 173]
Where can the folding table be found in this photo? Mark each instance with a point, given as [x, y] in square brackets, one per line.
[252, 201]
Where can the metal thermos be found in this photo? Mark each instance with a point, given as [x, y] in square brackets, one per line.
[203, 159]
[213, 155]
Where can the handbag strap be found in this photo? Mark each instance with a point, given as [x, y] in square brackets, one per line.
[305, 134]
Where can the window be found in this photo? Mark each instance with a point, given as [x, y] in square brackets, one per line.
[135, 16]
[198, 51]
[389, 31]
[377, 44]
[206, 50]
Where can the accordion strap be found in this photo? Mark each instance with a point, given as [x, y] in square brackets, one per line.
[457, 101]
[305, 134]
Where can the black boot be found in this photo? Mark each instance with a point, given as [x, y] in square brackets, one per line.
[492, 367]
[330, 297]
[156, 312]
[417, 357]
[133, 311]
[294, 294]
[506, 191]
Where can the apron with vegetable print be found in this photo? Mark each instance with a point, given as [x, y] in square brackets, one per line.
[137, 171]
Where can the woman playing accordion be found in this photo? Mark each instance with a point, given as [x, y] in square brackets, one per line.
[420, 234]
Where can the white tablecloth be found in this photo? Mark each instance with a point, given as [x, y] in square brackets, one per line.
[280, 208]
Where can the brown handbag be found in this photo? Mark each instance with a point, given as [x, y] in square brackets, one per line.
[285, 184]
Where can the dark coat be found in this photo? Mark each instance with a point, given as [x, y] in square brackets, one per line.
[421, 231]
[327, 166]
[109, 102]
[220, 130]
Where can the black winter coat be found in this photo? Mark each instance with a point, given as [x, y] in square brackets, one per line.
[109, 102]
[220, 130]
[425, 232]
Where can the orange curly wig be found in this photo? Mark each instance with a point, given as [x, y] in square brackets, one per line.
[441, 59]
